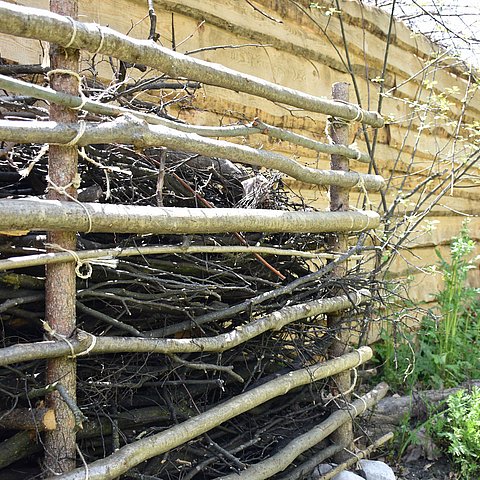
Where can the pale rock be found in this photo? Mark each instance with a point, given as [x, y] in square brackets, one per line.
[375, 470]
[346, 475]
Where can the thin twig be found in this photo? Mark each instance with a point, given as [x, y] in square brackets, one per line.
[153, 35]
[223, 47]
[263, 13]
[208, 366]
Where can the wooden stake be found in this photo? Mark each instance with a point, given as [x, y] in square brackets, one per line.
[60, 288]
[339, 202]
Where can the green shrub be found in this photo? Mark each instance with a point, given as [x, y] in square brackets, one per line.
[457, 430]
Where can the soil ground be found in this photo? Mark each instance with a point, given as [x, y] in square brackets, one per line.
[423, 469]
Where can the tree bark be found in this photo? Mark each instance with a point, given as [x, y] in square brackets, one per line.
[60, 286]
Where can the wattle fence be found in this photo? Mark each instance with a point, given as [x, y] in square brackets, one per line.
[62, 214]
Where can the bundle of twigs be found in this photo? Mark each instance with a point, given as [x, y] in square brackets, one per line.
[182, 292]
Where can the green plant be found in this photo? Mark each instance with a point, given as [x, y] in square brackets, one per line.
[446, 349]
[448, 343]
[458, 432]
[396, 354]
[455, 300]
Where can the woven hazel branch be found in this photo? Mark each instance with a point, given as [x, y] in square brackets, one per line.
[131, 130]
[36, 214]
[133, 454]
[64, 31]
[222, 342]
[256, 127]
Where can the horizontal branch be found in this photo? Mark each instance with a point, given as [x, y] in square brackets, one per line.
[36, 214]
[292, 450]
[257, 127]
[301, 140]
[219, 343]
[133, 454]
[131, 130]
[118, 252]
[64, 31]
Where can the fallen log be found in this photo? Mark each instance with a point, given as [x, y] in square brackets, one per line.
[17, 447]
[392, 411]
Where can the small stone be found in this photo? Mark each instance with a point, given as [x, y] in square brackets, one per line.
[346, 475]
[375, 470]
[325, 468]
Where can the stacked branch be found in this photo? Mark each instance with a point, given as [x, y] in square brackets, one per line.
[43, 25]
[192, 320]
[199, 352]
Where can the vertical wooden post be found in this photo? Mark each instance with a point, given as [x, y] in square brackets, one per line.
[60, 285]
[339, 201]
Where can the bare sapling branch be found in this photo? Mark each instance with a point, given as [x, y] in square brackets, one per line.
[42, 25]
[131, 455]
[36, 214]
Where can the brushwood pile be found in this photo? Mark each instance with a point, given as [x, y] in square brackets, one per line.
[125, 397]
